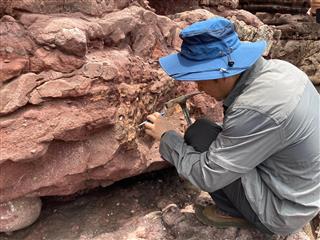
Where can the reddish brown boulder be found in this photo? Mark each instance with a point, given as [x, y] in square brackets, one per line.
[73, 125]
[14, 49]
[19, 213]
[15, 94]
[45, 60]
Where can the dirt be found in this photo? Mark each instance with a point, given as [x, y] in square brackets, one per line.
[105, 210]
[153, 206]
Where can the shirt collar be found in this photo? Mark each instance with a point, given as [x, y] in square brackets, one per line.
[245, 79]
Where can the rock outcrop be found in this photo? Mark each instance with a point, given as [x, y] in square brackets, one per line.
[299, 42]
[280, 6]
[69, 112]
[76, 86]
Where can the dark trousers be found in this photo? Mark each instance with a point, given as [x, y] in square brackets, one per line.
[230, 199]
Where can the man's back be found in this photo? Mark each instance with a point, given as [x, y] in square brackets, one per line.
[284, 190]
[269, 139]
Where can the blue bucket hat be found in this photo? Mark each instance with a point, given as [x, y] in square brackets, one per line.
[211, 49]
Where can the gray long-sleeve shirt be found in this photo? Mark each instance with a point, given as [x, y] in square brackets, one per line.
[270, 139]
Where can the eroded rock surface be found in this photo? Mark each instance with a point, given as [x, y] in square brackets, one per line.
[299, 42]
[19, 213]
[69, 112]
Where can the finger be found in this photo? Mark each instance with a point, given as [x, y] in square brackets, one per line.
[149, 125]
[152, 118]
[157, 114]
[149, 132]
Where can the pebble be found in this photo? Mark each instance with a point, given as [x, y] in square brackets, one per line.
[19, 213]
[9, 49]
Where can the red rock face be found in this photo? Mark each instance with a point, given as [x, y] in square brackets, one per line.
[69, 116]
[77, 78]
[73, 90]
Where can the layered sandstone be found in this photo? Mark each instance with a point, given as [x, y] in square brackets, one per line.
[299, 42]
[69, 113]
[280, 6]
[300, 35]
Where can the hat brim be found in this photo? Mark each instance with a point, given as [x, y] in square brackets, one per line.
[244, 57]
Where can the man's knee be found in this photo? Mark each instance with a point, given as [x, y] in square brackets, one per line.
[201, 134]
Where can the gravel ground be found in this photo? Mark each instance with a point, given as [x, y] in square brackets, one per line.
[154, 206]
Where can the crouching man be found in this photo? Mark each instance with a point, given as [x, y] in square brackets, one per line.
[262, 166]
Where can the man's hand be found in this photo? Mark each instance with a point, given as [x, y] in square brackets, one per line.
[314, 5]
[158, 125]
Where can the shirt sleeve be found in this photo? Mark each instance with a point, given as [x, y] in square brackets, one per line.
[247, 139]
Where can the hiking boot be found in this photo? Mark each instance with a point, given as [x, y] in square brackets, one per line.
[212, 216]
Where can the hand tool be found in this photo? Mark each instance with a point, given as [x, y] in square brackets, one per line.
[144, 122]
[182, 101]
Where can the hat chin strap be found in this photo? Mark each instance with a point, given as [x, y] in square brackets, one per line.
[222, 70]
[230, 61]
